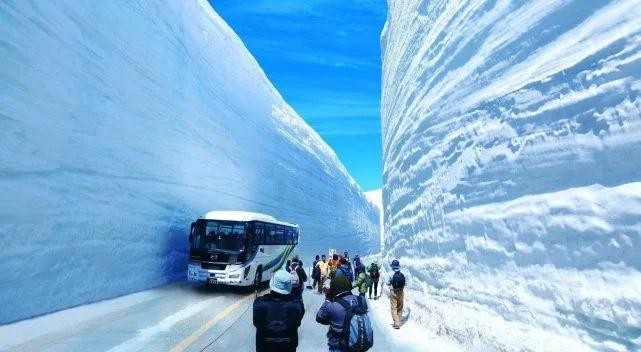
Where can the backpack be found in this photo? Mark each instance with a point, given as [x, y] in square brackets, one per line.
[301, 274]
[398, 280]
[374, 272]
[357, 328]
[295, 280]
[277, 319]
[368, 281]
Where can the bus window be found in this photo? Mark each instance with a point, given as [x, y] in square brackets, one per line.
[238, 229]
[270, 234]
[259, 234]
[212, 229]
[280, 235]
[288, 235]
[295, 233]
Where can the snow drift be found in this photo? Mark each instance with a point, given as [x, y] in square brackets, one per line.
[121, 122]
[512, 169]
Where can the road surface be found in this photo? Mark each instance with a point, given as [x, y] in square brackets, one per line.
[175, 318]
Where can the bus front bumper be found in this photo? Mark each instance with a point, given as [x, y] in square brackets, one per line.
[231, 276]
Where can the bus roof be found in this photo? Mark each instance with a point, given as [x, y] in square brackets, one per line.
[243, 216]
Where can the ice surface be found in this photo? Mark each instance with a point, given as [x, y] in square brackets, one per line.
[121, 122]
[512, 169]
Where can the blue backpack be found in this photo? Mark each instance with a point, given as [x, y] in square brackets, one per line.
[359, 335]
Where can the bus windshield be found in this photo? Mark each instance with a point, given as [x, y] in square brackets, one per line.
[219, 236]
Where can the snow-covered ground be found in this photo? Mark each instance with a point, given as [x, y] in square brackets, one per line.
[512, 169]
[121, 122]
[180, 318]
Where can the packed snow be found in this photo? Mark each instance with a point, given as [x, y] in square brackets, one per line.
[512, 170]
[123, 121]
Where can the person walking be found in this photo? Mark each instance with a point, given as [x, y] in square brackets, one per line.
[334, 313]
[323, 269]
[334, 262]
[345, 270]
[315, 272]
[277, 316]
[299, 270]
[374, 274]
[396, 283]
[295, 279]
[363, 281]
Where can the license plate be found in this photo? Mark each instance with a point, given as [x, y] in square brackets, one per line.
[211, 280]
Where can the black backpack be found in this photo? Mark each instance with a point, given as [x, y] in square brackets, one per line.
[302, 275]
[375, 274]
[398, 280]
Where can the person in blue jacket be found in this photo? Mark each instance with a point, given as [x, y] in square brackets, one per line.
[333, 313]
[345, 270]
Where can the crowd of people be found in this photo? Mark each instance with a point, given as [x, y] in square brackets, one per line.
[278, 314]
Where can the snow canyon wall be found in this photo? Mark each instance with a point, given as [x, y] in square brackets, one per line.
[121, 122]
[512, 169]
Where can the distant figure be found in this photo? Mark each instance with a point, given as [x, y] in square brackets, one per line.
[396, 283]
[374, 274]
[363, 281]
[299, 271]
[277, 316]
[295, 279]
[323, 268]
[315, 272]
[357, 262]
[343, 312]
[345, 270]
[334, 263]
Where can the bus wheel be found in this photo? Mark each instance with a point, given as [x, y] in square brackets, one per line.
[258, 278]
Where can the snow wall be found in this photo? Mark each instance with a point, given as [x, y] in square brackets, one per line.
[512, 169]
[120, 123]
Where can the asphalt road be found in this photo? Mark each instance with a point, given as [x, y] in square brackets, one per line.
[174, 318]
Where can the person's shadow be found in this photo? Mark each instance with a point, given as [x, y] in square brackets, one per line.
[406, 315]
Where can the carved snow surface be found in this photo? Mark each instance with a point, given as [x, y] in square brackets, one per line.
[512, 169]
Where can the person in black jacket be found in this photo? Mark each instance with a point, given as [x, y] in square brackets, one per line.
[316, 273]
[277, 316]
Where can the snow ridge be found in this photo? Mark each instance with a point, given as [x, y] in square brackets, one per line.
[121, 122]
[512, 176]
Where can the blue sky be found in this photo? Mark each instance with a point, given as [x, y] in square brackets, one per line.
[324, 58]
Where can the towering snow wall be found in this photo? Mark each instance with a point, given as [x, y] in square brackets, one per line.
[120, 123]
[512, 169]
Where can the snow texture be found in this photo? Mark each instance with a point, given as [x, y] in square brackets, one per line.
[512, 169]
[376, 198]
[121, 122]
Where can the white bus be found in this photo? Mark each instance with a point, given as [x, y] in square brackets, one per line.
[239, 248]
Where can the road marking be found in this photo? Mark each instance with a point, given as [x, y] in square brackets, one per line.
[146, 334]
[208, 325]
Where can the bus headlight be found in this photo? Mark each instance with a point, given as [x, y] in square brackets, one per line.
[234, 276]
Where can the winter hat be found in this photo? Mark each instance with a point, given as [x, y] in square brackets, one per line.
[339, 284]
[281, 282]
[395, 265]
